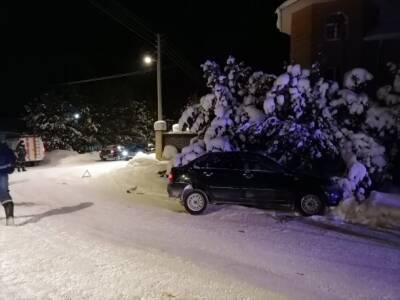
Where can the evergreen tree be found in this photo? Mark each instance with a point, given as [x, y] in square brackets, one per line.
[61, 124]
[298, 118]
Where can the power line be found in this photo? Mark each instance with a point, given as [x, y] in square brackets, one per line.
[135, 17]
[188, 70]
[107, 77]
[130, 21]
[118, 14]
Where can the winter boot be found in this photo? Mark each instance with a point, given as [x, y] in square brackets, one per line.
[10, 221]
[9, 210]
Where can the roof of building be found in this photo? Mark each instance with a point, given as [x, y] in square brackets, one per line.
[388, 24]
[278, 11]
[287, 8]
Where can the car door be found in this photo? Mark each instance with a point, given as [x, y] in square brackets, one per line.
[219, 174]
[266, 183]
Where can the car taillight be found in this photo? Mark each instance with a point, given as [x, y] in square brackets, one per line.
[170, 178]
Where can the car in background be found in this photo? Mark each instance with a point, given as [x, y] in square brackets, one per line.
[249, 179]
[150, 148]
[134, 149]
[114, 152]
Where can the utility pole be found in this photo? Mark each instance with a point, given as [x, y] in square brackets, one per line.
[160, 126]
[159, 87]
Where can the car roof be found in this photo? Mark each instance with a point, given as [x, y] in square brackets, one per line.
[242, 154]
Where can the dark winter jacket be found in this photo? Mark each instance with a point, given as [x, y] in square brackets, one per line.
[21, 152]
[7, 159]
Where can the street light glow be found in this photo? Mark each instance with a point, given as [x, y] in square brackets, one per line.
[77, 116]
[147, 59]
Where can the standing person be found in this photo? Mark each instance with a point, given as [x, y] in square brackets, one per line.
[21, 153]
[7, 166]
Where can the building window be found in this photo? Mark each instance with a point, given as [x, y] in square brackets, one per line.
[336, 27]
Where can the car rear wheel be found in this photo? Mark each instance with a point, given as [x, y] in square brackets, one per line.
[311, 204]
[195, 202]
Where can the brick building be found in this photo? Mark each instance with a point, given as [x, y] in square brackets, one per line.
[342, 34]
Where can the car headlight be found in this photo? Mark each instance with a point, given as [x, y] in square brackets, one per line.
[125, 153]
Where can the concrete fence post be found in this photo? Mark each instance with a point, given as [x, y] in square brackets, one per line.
[159, 128]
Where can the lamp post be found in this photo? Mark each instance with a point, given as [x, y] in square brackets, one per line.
[159, 87]
[160, 126]
[148, 60]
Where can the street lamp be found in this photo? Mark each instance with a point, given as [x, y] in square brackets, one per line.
[77, 116]
[148, 60]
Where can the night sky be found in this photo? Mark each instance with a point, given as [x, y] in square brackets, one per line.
[51, 42]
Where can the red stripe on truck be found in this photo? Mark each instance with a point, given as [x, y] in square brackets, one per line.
[34, 148]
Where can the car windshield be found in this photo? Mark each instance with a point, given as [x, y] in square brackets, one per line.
[219, 161]
[257, 162]
[113, 147]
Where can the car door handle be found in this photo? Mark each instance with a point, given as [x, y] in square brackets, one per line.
[207, 174]
[248, 175]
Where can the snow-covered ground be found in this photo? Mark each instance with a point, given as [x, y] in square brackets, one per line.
[116, 235]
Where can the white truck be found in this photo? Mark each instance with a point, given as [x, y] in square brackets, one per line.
[33, 144]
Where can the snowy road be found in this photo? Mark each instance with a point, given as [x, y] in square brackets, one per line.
[86, 238]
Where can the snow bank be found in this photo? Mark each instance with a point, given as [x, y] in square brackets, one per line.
[142, 175]
[379, 210]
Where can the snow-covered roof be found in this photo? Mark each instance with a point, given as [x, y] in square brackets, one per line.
[278, 11]
[286, 4]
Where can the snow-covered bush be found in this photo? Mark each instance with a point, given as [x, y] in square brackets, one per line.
[383, 120]
[298, 118]
[191, 152]
[294, 132]
[350, 105]
[363, 148]
[357, 78]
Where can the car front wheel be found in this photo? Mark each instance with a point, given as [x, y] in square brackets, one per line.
[195, 202]
[311, 204]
